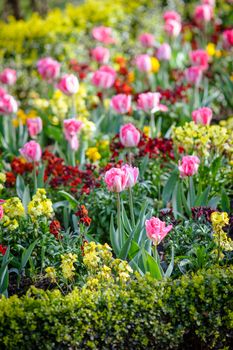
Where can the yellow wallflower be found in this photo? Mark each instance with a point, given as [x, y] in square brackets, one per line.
[211, 49]
[51, 273]
[93, 154]
[2, 177]
[67, 265]
[155, 64]
[40, 205]
[13, 208]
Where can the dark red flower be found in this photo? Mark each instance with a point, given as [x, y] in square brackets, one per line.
[3, 249]
[55, 228]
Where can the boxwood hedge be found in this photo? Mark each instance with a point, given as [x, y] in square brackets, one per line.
[193, 312]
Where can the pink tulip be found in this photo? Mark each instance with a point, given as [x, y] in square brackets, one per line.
[203, 13]
[208, 2]
[132, 173]
[147, 40]
[31, 151]
[129, 135]
[104, 77]
[121, 103]
[71, 128]
[1, 212]
[172, 27]
[202, 116]
[188, 166]
[8, 76]
[116, 179]
[150, 102]
[103, 34]
[68, 84]
[164, 52]
[34, 126]
[156, 229]
[2, 92]
[199, 58]
[100, 54]
[168, 15]
[143, 63]
[48, 68]
[8, 105]
[228, 38]
[194, 75]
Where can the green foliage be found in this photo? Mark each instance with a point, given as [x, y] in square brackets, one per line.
[191, 312]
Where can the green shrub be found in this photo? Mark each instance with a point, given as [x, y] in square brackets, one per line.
[193, 312]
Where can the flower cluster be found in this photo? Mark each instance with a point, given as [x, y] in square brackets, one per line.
[203, 139]
[40, 205]
[67, 265]
[219, 220]
[13, 211]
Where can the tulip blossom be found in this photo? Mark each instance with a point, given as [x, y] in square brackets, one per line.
[203, 13]
[132, 173]
[100, 54]
[147, 39]
[129, 135]
[168, 15]
[104, 77]
[208, 2]
[172, 27]
[116, 179]
[194, 75]
[156, 229]
[121, 103]
[8, 76]
[228, 38]
[150, 102]
[31, 151]
[143, 63]
[48, 68]
[2, 92]
[34, 126]
[164, 52]
[202, 116]
[1, 209]
[8, 105]
[71, 129]
[68, 84]
[199, 58]
[188, 166]
[103, 34]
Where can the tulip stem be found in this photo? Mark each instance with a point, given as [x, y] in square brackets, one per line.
[131, 206]
[35, 177]
[119, 219]
[152, 125]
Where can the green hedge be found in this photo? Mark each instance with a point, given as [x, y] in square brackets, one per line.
[194, 312]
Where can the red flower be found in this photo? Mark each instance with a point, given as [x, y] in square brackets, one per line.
[55, 228]
[3, 249]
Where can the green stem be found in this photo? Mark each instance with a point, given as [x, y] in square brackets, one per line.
[119, 218]
[35, 177]
[152, 125]
[131, 206]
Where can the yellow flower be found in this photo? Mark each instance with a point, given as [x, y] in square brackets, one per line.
[51, 273]
[219, 219]
[210, 49]
[67, 265]
[13, 208]
[2, 177]
[146, 130]
[93, 154]
[155, 65]
[40, 205]
[131, 77]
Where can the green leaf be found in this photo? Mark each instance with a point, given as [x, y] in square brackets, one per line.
[202, 200]
[151, 265]
[73, 202]
[170, 266]
[26, 255]
[213, 202]
[225, 201]
[191, 193]
[114, 237]
[170, 186]
[20, 186]
[40, 177]
[125, 220]
[26, 198]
